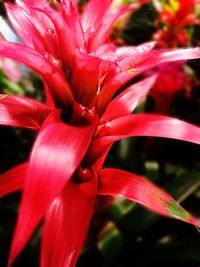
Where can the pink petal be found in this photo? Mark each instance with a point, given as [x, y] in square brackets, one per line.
[150, 59]
[128, 100]
[136, 188]
[93, 14]
[142, 125]
[66, 224]
[71, 17]
[24, 27]
[125, 51]
[101, 33]
[59, 88]
[85, 77]
[13, 179]
[56, 154]
[66, 41]
[22, 111]
[28, 3]
[150, 125]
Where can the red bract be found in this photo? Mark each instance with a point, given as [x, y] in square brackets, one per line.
[79, 122]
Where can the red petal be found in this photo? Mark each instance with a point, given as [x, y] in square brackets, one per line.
[66, 41]
[116, 182]
[24, 27]
[57, 152]
[22, 111]
[143, 61]
[124, 51]
[13, 179]
[128, 100]
[56, 81]
[150, 125]
[101, 32]
[85, 77]
[143, 125]
[66, 224]
[71, 17]
[92, 16]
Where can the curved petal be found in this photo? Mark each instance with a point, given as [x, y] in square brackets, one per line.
[143, 61]
[92, 15]
[116, 182]
[142, 125]
[128, 100]
[66, 41]
[24, 27]
[99, 35]
[72, 19]
[56, 154]
[150, 125]
[22, 111]
[85, 77]
[66, 224]
[125, 51]
[13, 179]
[59, 88]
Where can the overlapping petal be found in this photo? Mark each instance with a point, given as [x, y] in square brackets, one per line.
[92, 16]
[59, 88]
[24, 27]
[128, 100]
[13, 179]
[71, 16]
[133, 187]
[101, 31]
[142, 125]
[70, 215]
[149, 59]
[56, 154]
[85, 77]
[22, 111]
[150, 125]
[66, 42]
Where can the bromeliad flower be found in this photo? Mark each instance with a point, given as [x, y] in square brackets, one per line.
[79, 122]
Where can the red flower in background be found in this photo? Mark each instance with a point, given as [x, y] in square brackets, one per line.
[176, 15]
[79, 122]
[172, 79]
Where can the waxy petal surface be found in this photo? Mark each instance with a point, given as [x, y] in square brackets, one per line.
[22, 111]
[93, 14]
[142, 125]
[147, 60]
[13, 179]
[150, 125]
[24, 27]
[71, 16]
[136, 188]
[85, 77]
[128, 100]
[66, 224]
[59, 88]
[56, 154]
[100, 34]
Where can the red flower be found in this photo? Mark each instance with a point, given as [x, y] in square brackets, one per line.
[176, 15]
[80, 122]
[166, 88]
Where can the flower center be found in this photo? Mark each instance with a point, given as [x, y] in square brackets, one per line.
[82, 115]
